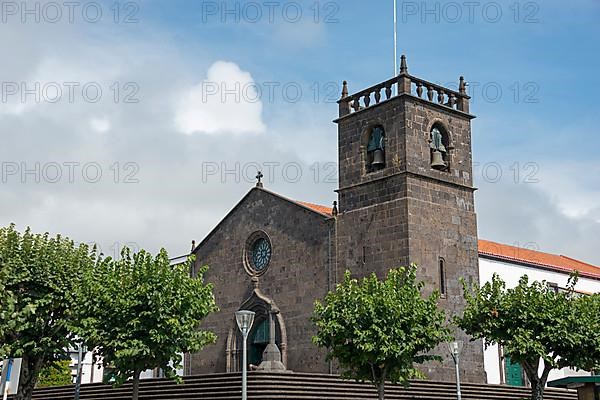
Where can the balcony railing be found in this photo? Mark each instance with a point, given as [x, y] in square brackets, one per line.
[403, 84]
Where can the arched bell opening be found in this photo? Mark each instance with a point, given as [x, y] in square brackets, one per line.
[375, 157]
[439, 145]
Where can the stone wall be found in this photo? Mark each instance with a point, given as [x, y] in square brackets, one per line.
[297, 275]
[409, 212]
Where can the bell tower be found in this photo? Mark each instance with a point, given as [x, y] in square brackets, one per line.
[406, 193]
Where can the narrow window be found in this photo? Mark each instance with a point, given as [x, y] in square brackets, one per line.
[442, 272]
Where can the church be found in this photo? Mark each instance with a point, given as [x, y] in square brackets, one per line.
[405, 196]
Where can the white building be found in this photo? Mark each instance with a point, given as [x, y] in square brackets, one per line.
[511, 263]
[93, 371]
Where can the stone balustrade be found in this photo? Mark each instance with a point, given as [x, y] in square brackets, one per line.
[404, 84]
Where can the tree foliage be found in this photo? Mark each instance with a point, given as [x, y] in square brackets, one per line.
[140, 313]
[38, 277]
[586, 352]
[536, 325]
[379, 329]
[56, 374]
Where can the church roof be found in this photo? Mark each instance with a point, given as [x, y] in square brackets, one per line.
[315, 207]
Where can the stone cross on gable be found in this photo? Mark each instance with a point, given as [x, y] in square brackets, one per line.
[259, 176]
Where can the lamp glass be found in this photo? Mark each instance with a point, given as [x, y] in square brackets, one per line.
[244, 319]
[455, 347]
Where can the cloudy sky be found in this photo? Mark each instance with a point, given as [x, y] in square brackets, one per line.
[143, 123]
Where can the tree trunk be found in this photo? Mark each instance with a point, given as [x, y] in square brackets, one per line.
[538, 384]
[135, 390]
[30, 369]
[537, 390]
[381, 390]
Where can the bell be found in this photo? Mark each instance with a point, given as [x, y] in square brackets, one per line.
[378, 159]
[437, 161]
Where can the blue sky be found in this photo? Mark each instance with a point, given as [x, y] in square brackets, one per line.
[544, 60]
[542, 55]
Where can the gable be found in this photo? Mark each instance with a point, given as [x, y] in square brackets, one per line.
[314, 212]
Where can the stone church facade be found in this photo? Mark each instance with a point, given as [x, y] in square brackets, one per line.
[405, 196]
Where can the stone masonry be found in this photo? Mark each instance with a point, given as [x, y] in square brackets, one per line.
[406, 212]
[297, 275]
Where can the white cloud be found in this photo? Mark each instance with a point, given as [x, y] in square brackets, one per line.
[152, 176]
[100, 125]
[524, 214]
[225, 102]
[569, 184]
[172, 196]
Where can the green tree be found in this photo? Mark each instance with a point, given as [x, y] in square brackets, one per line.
[379, 329]
[55, 374]
[584, 352]
[38, 276]
[537, 326]
[140, 312]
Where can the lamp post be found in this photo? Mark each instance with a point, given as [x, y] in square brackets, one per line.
[244, 321]
[455, 348]
[81, 350]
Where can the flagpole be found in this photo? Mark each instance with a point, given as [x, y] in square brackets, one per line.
[395, 37]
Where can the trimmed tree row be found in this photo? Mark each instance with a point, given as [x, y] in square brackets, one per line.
[139, 312]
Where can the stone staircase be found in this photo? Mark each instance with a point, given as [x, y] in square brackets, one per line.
[290, 386]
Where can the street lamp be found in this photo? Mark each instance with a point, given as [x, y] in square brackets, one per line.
[455, 348]
[81, 350]
[244, 321]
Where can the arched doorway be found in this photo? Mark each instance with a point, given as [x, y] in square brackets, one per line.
[258, 341]
[259, 336]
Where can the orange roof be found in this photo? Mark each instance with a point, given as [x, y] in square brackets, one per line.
[537, 258]
[317, 208]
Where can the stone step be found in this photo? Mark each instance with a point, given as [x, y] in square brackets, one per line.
[291, 386]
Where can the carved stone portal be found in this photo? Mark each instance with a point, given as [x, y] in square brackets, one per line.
[274, 358]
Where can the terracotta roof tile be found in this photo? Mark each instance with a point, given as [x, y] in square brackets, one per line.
[315, 207]
[537, 258]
